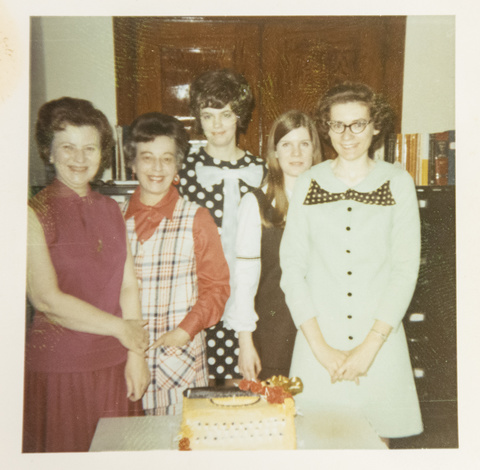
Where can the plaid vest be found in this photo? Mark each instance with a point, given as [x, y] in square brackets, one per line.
[166, 271]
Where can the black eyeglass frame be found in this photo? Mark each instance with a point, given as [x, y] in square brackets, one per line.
[348, 126]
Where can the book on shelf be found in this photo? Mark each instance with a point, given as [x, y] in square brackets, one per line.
[389, 148]
[119, 165]
[438, 168]
[399, 151]
[423, 145]
[428, 157]
[410, 154]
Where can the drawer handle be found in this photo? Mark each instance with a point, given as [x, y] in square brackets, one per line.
[416, 317]
[418, 373]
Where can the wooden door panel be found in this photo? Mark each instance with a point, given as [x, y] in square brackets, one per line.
[289, 62]
[302, 60]
[170, 54]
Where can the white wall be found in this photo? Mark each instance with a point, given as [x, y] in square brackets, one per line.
[71, 56]
[74, 56]
[429, 75]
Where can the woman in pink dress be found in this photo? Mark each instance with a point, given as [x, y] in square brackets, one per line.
[85, 348]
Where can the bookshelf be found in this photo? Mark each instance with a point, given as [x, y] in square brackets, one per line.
[428, 157]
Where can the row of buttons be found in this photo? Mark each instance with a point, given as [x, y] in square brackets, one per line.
[349, 294]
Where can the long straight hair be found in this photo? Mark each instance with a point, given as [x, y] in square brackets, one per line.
[275, 180]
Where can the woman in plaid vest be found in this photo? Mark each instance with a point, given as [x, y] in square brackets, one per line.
[181, 269]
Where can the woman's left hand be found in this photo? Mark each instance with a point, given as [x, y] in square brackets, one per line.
[359, 360]
[137, 376]
[176, 338]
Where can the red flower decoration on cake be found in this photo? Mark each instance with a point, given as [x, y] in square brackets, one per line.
[276, 394]
[184, 444]
[244, 384]
[252, 386]
[273, 394]
[257, 387]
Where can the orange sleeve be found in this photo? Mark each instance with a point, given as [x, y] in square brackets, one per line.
[212, 275]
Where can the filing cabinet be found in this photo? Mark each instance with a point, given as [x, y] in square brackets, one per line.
[430, 322]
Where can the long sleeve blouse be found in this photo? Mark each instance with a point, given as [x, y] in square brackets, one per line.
[212, 275]
[248, 264]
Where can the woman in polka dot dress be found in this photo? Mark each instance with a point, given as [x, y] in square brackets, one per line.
[216, 177]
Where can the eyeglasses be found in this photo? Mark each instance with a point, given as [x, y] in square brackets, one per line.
[356, 127]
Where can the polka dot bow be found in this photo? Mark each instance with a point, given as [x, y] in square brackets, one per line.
[380, 197]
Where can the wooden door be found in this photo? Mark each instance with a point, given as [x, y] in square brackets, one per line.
[290, 62]
[158, 58]
[304, 57]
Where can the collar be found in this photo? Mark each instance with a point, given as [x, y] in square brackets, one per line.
[147, 218]
[223, 163]
[165, 206]
[63, 191]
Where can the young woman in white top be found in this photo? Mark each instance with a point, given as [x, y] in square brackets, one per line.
[263, 322]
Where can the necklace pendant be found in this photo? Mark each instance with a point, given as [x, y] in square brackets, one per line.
[99, 246]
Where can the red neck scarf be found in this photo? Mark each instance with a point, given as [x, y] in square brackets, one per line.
[146, 217]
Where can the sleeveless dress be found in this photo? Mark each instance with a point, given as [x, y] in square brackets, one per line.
[274, 336]
[72, 378]
[209, 191]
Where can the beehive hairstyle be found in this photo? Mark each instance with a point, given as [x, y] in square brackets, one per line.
[218, 88]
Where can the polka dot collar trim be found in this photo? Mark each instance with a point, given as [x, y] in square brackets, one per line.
[382, 196]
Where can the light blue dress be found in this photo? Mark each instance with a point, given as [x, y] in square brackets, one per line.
[348, 262]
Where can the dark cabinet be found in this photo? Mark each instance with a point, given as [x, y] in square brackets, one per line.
[430, 322]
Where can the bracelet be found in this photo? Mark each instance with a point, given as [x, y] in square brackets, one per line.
[384, 337]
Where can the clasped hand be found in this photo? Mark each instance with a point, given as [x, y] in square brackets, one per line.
[350, 365]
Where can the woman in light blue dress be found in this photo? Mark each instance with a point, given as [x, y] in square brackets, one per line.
[350, 257]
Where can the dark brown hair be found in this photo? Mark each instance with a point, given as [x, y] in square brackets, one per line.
[55, 115]
[218, 88]
[146, 127]
[284, 124]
